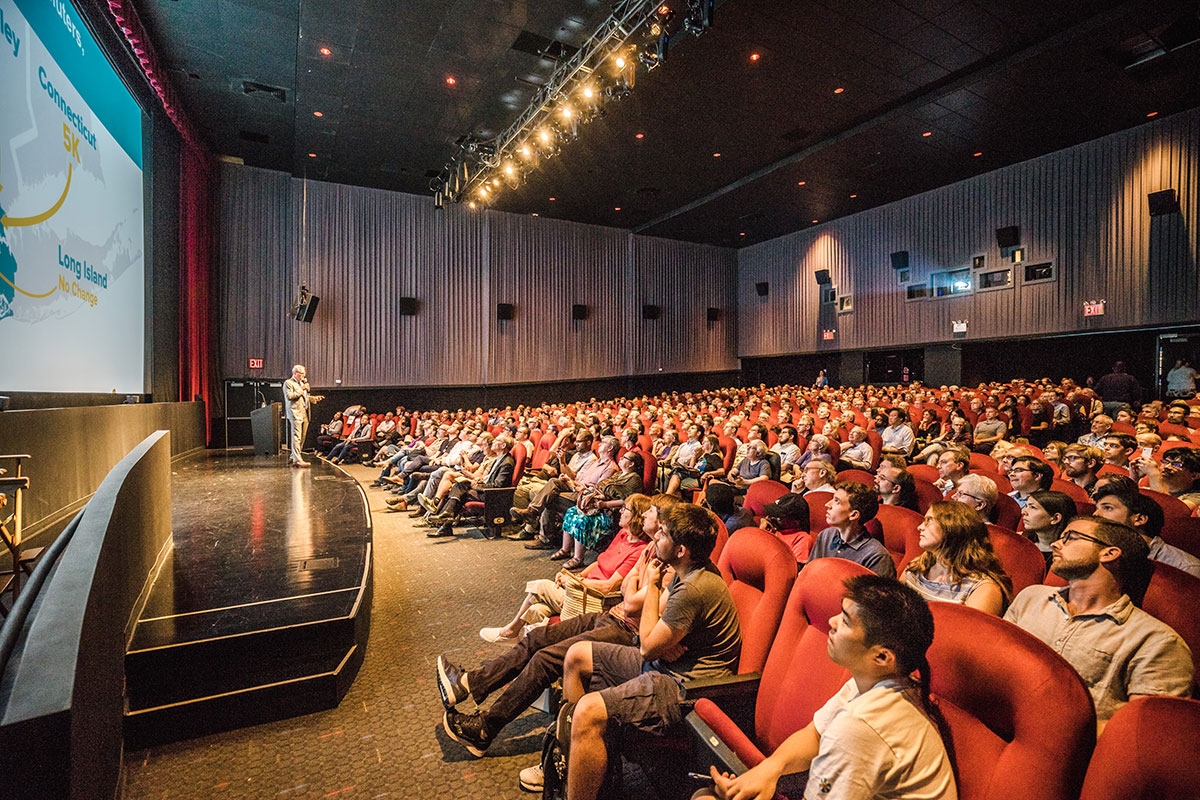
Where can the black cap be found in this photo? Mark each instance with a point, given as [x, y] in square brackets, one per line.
[791, 510]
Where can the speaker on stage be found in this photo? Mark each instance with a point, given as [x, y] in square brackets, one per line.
[651, 312]
[308, 309]
[506, 311]
[579, 311]
[1162, 203]
[900, 259]
[408, 306]
[714, 314]
[823, 278]
[762, 289]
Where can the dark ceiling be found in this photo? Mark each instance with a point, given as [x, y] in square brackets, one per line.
[991, 83]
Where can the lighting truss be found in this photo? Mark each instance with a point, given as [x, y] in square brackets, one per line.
[615, 34]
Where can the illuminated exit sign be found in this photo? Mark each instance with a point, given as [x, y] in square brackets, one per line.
[827, 335]
[256, 363]
[1093, 308]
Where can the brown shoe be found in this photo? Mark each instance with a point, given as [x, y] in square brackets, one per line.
[538, 544]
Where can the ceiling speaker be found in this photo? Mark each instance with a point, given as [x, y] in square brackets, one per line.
[505, 311]
[1163, 202]
[579, 312]
[714, 314]
[408, 306]
[762, 289]
[1008, 237]
[900, 259]
[308, 309]
[822, 276]
[651, 312]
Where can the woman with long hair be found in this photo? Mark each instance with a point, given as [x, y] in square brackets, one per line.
[958, 565]
[544, 598]
[1045, 517]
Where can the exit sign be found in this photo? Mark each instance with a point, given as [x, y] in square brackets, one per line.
[827, 335]
[256, 363]
[1093, 308]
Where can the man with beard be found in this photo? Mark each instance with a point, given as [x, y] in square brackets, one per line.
[1079, 464]
[1119, 650]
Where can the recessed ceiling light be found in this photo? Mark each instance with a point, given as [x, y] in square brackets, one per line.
[716, 155]
[318, 114]
[815, 221]
[534, 214]
[451, 80]
[664, 9]
[754, 57]
[853, 196]
[1152, 114]
[977, 155]
[471, 204]
[927, 133]
[743, 233]
[616, 208]
[639, 136]
[839, 90]
[552, 199]
[325, 51]
[801, 183]
[312, 155]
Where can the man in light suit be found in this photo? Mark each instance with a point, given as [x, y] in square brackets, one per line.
[295, 392]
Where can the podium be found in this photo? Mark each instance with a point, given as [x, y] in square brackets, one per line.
[265, 427]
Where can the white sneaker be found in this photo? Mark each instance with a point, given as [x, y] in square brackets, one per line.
[495, 635]
[532, 779]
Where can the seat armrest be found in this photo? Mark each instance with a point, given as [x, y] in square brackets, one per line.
[709, 749]
[744, 685]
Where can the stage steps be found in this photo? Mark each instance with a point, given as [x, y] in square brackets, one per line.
[196, 686]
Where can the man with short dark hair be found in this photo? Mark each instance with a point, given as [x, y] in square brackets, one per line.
[1119, 650]
[953, 464]
[852, 506]
[1117, 498]
[1119, 449]
[1079, 465]
[989, 430]
[1118, 388]
[1027, 475]
[895, 484]
[1178, 475]
[697, 635]
[874, 738]
[897, 437]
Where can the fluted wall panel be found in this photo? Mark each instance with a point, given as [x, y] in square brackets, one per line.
[361, 249]
[1083, 208]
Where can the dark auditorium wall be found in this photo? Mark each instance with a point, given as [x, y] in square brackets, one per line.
[1083, 208]
[361, 249]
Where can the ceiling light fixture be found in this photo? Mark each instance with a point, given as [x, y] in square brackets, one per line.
[639, 136]
[312, 155]
[616, 208]
[325, 51]
[977, 155]
[815, 221]
[1152, 114]
[839, 90]
[743, 233]
[927, 133]
[802, 183]
[853, 196]
[552, 199]
[716, 155]
[451, 80]
[754, 57]
[318, 114]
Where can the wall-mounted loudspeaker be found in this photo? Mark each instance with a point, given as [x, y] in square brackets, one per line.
[408, 306]
[714, 315]
[308, 309]
[579, 312]
[651, 312]
[762, 288]
[1008, 237]
[823, 278]
[505, 311]
[1163, 202]
[900, 259]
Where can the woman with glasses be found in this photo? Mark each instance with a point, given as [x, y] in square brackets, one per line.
[1045, 517]
[544, 598]
[958, 565]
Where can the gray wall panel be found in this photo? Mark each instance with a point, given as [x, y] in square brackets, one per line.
[1083, 208]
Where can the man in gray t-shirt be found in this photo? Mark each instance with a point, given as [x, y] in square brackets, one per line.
[989, 430]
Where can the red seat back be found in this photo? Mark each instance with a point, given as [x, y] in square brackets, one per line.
[1172, 507]
[649, 471]
[760, 571]
[816, 510]
[522, 458]
[1173, 597]
[760, 493]
[900, 535]
[927, 495]
[924, 472]
[1134, 760]
[857, 476]
[983, 461]
[798, 676]
[1006, 513]
[1071, 489]
[876, 442]
[1019, 720]
[722, 539]
[1183, 533]
[1020, 557]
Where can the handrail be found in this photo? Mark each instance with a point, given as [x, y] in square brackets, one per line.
[15, 621]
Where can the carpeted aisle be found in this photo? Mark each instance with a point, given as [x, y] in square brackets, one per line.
[386, 738]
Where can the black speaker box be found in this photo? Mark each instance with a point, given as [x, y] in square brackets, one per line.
[762, 288]
[823, 278]
[1008, 237]
[651, 312]
[505, 311]
[579, 312]
[308, 309]
[900, 259]
[408, 306]
[714, 315]
[1163, 202]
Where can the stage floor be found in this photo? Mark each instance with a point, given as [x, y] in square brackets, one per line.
[257, 545]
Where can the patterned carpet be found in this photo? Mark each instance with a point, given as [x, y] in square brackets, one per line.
[386, 738]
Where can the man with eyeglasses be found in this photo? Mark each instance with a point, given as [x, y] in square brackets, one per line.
[1119, 449]
[1079, 465]
[1178, 475]
[952, 466]
[977, 491]
[1119, 650]
[1028, 475]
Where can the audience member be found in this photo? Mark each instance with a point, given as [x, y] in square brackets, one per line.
[897, 436]
[977, 491]
[989, 430]
[1028, 475]
[895, 484]
[850, 508]
[1117, 498]
[1080, 464]
[958, 565]
[1045, 517]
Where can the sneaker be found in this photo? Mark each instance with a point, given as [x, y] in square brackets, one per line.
[428, 503]
[467, 730]
[533, 779]
[446, 529]
[494, 635]
[452, 683]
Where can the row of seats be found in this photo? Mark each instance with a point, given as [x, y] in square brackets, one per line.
[1019, 721]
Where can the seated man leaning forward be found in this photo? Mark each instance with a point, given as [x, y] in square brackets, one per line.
[852, 506]
[697, 635]
[534, 663]
[873, 738]
[1119, 650]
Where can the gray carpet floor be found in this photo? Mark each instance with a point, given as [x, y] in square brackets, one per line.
[385, 740]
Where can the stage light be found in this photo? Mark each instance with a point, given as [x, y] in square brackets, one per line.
[977, 155]
[620, 62]
[802, 183]
[588, 92]
[853, 196]
[524, 151]
[471, 204]
[716, 155]
[927, 133]
[743, 233]
[565, 111]
[639, 136]
[318, 114]
[815, 221]
[325, 51]
[545, 137]
[552, 199]
[438, 202]
[616, 208]
[450, 80]
[312, 155]
[495, 181]
[838, 90]
[1152, 114]
[509, 169]
[699, 17]
[753, 57]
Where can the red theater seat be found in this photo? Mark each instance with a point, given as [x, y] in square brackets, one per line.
[1173, 596]
[1183, 533]
[899, 533]
[1020, 557]
[760, 571]
[1148, 752]
[760, 493]
[1020, 722]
